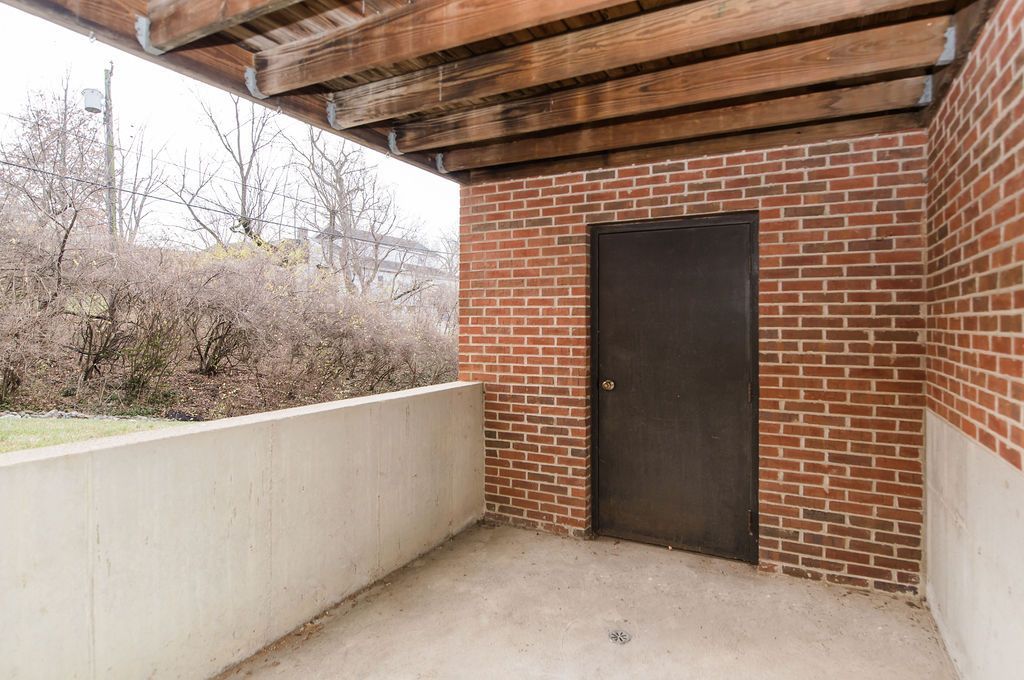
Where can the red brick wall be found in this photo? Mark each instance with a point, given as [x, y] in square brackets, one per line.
[976, 242]
[841, 327]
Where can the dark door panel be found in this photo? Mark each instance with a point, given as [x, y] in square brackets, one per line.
[675, 330]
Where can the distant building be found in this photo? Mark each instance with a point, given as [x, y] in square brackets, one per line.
[398, 268]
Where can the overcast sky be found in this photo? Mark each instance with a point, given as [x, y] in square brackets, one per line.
[37, 54]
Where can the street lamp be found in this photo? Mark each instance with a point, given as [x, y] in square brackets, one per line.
[95, 102]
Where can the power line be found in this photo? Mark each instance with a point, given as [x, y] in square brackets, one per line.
[242, 185]
[186, 168]
[164, 199]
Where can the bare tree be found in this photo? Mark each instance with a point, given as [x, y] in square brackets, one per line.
[139, 178]
[194, 189]
[239, 194]
[326, 172]
[353, 220]
[54, 168]
[449, 252]
[441, 300]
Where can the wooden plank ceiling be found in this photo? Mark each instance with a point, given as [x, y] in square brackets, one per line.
[485, 89]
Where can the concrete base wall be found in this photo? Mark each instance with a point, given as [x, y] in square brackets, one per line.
[178, 553]
[975, 553]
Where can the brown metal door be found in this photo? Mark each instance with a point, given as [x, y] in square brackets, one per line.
[675, 374]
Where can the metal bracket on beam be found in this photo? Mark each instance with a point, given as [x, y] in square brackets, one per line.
[948, 55]
[250, 82]
[393, 143]
[439, 164]
[332, 115]
[142, 25]
[929, 88]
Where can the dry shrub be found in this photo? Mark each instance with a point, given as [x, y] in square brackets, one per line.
[126, 320]
[129, 327]
[347, 347]
[26, 344]
[236, 303]
[100, 326]
[155, 327]
[27, 328]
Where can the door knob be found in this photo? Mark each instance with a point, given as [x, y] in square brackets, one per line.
[607, 385]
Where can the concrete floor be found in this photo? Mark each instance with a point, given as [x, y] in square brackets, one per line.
[509, 603]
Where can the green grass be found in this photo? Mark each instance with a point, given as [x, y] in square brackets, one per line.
[17, 434]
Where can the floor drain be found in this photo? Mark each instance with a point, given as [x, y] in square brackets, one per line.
[619, 637]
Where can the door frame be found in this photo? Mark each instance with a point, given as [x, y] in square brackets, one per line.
[751, 220]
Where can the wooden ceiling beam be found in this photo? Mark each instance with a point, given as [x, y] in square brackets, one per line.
[404, 33]
[173, 23]
[642, 38]
[220, 65]
[893, 95]
[916, 44]
[815, 133]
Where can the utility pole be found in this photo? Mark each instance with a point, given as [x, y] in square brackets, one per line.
[108, 124]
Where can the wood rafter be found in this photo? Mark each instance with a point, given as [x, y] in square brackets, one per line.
[495, 88]
[645, 37]
[882, 50]
[173, 23]
[894, 95]
[405, 33]
[221, 65]
[814, 133]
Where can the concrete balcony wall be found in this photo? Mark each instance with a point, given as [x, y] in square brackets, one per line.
[975, 583]
[180, 552]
